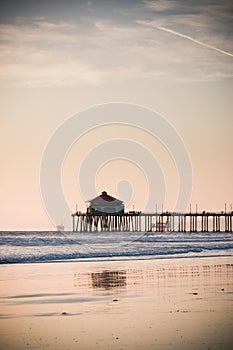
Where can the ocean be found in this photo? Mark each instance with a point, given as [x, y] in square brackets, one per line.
[29, 246]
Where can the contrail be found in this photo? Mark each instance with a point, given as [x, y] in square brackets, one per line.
[164, 29]
[194, 40]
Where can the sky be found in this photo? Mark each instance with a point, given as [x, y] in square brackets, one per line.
[58, 58]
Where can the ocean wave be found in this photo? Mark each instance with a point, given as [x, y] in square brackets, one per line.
[29, 247]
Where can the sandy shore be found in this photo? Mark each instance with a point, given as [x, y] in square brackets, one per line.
[157, 304]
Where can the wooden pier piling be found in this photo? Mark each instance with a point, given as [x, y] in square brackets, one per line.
[156, 222]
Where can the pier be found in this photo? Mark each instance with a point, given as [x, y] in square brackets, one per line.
[153, 222]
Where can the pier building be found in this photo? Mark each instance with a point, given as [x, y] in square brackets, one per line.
[105, 204]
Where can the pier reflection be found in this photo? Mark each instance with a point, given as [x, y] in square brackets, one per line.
[131, 279]
[105, 280]
[195, 276]
[108, 279]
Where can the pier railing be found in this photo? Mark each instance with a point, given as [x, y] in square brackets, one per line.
[153, 222]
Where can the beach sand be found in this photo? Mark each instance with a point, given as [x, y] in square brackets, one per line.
[141, 304]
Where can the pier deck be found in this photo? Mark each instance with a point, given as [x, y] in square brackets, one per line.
[153, 222]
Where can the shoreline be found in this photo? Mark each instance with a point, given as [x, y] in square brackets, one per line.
[183, 303]
[117, 258]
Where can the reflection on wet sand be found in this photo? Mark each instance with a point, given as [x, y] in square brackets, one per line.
[163, 276]
[103, 280]
[183, 304]
[108, 279]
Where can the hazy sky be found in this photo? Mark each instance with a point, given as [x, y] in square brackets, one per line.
[60, 57]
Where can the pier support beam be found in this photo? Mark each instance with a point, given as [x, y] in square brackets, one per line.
[163, 222]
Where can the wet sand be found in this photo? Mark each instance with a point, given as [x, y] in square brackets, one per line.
[157, 304]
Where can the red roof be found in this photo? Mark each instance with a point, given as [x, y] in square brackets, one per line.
[106, 197]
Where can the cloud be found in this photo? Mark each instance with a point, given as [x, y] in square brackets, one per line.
[71, 73]
[38, 55]
[159, 5]
[103, 51]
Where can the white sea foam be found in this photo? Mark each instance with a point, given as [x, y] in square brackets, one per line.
[21, 247]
